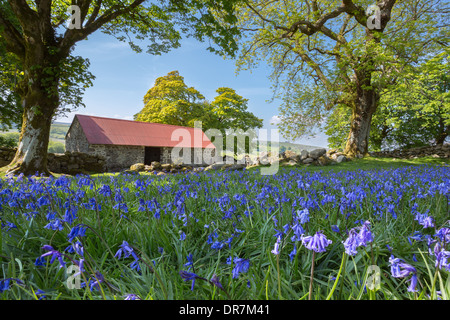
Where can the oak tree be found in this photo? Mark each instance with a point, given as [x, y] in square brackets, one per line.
[333, 53]
[35, 33]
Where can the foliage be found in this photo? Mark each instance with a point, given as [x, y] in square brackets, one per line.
[171, 101]
[56, 147]
[7, 141]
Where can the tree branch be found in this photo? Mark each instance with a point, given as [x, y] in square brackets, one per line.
[12, 36]
[72, 36]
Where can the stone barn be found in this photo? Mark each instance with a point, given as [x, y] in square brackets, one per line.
[124, 142]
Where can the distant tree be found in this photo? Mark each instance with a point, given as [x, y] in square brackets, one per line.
[56, 147]
[171, 101]
[231, 117]
[7, 142]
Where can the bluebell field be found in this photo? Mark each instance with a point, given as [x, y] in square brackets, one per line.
[227, 235]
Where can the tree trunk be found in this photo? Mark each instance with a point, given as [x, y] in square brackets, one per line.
[40, 100]
[363, 109]
[31, 154]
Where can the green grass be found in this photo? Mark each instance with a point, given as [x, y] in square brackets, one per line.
[199, 197]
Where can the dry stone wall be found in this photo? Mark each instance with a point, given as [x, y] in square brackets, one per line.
[68, 163]
[442, 151]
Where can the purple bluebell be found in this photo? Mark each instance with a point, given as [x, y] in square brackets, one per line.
[132, 296]
[298, 232]
[55, 255]
[127, 250]
[400, 269]
[5, 284]
[55, 225]
[276, 249]
[215, 280]
[364, 235]
[351, 243]
[240, 266]
[293, 253]
[317, 242]
[189, 276]
[77, 231]
[303, 215]
[335, 228]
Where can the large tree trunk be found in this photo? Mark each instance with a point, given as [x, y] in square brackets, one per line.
[40, 100]
[31, 155]
[364, 107]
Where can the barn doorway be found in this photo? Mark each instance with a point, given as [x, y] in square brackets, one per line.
[152, 154]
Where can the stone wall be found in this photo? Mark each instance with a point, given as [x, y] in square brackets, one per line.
[68, 162]
[442, 151]
[118, 158]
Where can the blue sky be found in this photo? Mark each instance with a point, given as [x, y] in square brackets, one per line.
[123, 77]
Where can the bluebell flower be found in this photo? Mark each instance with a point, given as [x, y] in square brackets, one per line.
[132, 296]
[400, 269]
[76, 247]
[298, 232]
[77, 231]
[55, 255]
[190, 262]
[40, 293]
[127, 250]
[335, 228]
[5, 284]
[293, 253]
[240, 266]
[55, 225]
[443, 234]
[317, 242]
[182, 236]
[216, 282]
[351, 243]
[94, 281]
[364, 235]
[135, 265]
[276, 249]
[303, 215]
[189, 276]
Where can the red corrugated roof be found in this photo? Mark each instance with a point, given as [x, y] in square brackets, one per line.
[99, 130]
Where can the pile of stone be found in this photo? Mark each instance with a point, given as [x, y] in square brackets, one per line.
[319, 157]
[158, 168]
[440, 151]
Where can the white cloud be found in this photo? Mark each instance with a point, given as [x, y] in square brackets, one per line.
[275, 120]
